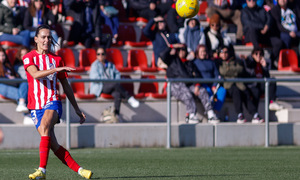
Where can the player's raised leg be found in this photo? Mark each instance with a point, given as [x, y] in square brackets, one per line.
[66, 157]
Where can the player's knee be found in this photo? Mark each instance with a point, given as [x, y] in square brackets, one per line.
[44, 130]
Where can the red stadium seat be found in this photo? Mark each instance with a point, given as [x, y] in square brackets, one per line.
[11, 54]
[137, 59]
[79, 89]
[202, 9]
[68, 57]
[288, 61]
[8, 44]
[150, 89]
[86, 58]
[125, 33]
[115, 56]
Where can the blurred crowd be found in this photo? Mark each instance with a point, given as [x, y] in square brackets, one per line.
[200, 47]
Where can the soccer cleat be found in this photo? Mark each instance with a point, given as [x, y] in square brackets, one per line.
[38, 174]
[87, 174]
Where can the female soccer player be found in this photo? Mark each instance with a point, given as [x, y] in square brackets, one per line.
[42, 70]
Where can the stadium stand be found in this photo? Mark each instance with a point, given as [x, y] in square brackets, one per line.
[11, 54]
[137, 59]
[114, 55]
[288, 61]
[86, 58]
[68, 57]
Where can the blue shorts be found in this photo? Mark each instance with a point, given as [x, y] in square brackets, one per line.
[37, 114]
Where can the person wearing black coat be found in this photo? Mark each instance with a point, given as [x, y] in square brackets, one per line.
[87, 24]
[256, 66]
[287, 21]
[257, 25]
[185, 92]
[160, 36]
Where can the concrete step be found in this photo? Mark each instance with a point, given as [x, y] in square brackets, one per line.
[288, 115]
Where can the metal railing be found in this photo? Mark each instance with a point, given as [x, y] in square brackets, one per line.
[267, 82]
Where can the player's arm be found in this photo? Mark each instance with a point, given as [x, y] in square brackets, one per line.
[69, 93]
[36, 74]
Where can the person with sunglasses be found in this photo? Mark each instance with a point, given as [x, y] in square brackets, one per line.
[43, 70]
[101, 68]
[258, 67]
[230, 67]
[257, 28]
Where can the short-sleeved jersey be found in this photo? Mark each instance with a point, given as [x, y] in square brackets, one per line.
[42, 90]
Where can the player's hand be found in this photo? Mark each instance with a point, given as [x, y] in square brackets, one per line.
[64, 69]
[82, 116]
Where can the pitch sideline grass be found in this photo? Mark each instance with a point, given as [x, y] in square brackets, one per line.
[158, 163]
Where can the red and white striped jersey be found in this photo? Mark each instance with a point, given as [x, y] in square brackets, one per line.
[42, 90]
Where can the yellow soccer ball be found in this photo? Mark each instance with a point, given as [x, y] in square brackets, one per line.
[187, 8]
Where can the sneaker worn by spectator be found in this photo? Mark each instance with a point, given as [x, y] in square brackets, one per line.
[241, 119]
[193, 119]
[22, 108]
[212, 118]
[274, 106]
[256, 119]
[133, 102]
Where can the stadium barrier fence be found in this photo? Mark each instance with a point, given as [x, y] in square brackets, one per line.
[267, 82]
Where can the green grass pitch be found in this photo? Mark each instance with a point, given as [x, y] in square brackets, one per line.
[158, 163]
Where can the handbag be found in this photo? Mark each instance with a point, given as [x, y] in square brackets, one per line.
[110, 11]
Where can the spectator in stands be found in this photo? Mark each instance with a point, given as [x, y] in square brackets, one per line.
[103, 69]
[174, 21]
[208, 69]
[86, 27]
[257, 67]
[257, 29]
[111, 20]
[214, 38]
[18, 93]
[11, 18]
[160, 37]
[149, 9]
[184, 92]
[230, 67]
[287, 20]
[192, 36]
[38, 14]
[227, 10]
[18, 63]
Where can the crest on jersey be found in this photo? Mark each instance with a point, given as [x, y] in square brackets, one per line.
[26, 61]
[51, 76]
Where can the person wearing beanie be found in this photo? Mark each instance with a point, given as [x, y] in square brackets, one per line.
[214, 38]
[228, 11]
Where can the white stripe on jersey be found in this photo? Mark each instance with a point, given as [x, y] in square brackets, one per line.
[41, 67]
[35, 89]
[54, 80]
[47, 80]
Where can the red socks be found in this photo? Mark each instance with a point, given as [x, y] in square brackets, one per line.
[44, 151]
[66, 158]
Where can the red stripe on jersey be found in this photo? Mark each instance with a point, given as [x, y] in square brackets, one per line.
[43, 90]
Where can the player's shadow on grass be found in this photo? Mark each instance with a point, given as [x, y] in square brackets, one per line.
[178, 176]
